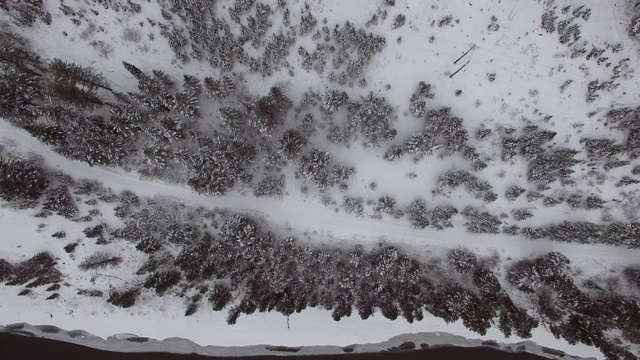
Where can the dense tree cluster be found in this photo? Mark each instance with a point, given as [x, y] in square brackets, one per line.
[41, 269]
[268, 113]
[552, 165]
[26, 12]
[371, 116]
[21, 71]
[616, 233]
[528, 145]
[569, 312]
[454, 179]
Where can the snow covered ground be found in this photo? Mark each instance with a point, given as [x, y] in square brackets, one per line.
[530, 71]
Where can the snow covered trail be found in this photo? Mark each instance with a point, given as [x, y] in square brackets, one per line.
[325, 224]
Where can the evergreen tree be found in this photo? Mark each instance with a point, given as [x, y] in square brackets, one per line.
[20, 78]
[84, 76]
[188, 101]
[418, 214]
[49, 133]
[268, 113]
[314, 166]
[291, 143]
[21, 180]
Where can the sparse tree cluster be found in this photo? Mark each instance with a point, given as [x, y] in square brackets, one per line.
[552, 165]
[480, 189]
[481, 222]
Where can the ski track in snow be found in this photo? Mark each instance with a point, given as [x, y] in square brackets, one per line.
[311, 216]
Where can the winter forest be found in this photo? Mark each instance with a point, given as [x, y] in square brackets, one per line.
[475, 162]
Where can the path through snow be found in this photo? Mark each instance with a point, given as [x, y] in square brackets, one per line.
[313, 217]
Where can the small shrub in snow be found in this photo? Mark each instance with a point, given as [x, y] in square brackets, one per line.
[398, 21]
[552, 201]
[70, 248]
[490, 197]
[594, 202]
[124, 298]
[601, 148]
[271, 186]
[511, 230]
[219, 297]
[191, 309]
[104, 49]
[493, 26]
[615, 164]
[53, 287]
[483, 133]
[131, 35]
[59, 234]
[513, 192]
[521, 214]
[94, 231]
[24, 292]
[353, 205]
[90, 292]
[627, 180]
[534, 195]
[417, 103]
[548, 21]
[394, 152]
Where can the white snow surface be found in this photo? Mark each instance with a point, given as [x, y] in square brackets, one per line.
[520, 53]
[122, 343]
[162, 317]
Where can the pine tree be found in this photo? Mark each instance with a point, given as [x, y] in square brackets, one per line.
[84, 76]
[188, 101]
[291, 143]
[21, 180]
[71, 94]
[20, 78]
[268, 113]
[48, 133]
[15, 54]
[418, 214]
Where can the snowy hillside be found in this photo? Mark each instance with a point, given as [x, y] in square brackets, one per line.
[349, 170]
